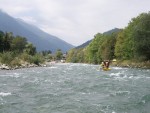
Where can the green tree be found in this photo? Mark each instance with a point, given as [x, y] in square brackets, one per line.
[1, 41]
[18, 44]
[76, 55]
[124, 48]
[141, 36]
[134, 42]
[108, 46]
[46, 52]
[30, 49]
[8, 37]
[58, 54]
[93, 48]
[119, 51]
[70, 55]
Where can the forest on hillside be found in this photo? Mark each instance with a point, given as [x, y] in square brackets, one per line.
[130, 43]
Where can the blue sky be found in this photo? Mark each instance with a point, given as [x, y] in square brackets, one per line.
[75, 21]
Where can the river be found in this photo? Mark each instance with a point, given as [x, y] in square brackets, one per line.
[75, 88]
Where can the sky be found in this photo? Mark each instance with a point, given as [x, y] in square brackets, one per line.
[75, 21]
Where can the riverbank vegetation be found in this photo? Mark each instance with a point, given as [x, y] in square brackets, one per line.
[130, 44]
[16, 51]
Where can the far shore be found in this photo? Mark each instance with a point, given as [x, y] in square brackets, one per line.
[26, 65]
[132, 64]
[121, 63]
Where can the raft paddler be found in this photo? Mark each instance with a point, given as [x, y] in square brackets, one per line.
[105, 64]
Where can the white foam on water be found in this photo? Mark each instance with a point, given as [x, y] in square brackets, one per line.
[123, 76]
[117, 68]
[64, 71]
[148, 70]
[113, 112]
[123, 92]
[64, 63]
[115, 74]
[130, 77]
[53, 67]
[4, 94]
[120, 76]
[86, 65]
[15, 76]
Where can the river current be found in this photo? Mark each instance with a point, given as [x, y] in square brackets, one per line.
[75, 88]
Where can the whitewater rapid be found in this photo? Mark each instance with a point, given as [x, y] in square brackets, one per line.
[75, 88]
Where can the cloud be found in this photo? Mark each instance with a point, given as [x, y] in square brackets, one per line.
[76, 21]
[29, 19]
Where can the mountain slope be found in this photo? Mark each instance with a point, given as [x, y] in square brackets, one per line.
[41, 39]
[115, 30]
[84, 44]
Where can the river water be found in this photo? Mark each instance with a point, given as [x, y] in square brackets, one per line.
[75, 88]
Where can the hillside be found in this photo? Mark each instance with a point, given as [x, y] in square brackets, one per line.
[84, 44]
[115, 30]
[41, 39]
[130, 46]
[112, 31]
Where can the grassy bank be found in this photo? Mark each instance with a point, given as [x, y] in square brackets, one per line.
[132, 64]
[13, 60]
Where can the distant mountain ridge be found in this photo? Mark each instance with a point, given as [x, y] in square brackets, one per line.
[84, 44]
[41, 39]
[112, 31]
[105, 33]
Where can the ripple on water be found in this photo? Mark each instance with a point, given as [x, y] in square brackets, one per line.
[15, 75]
[3, 94]
[75, 88]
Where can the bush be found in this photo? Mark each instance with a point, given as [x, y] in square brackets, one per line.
[12, 59]
[37, 59]
[7, 58]
[26, 57]
[15, 62]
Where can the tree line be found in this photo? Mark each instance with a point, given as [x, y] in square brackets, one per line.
[130, 43]
[17, 44]
[16, 50]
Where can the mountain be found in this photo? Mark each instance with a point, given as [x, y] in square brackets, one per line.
[115, 30]
[84, 44]
[41, 39]
[112, 31]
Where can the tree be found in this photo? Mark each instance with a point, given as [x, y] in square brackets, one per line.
[46, 52]
[119, 51]
[124, 48]
[108, 46]
[1, 41]
[18, 44]
[8, 37]
[30, 49]
[70, 55]
[58, 54]
[93, 48]
[141, 36]
[76, 55]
